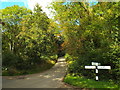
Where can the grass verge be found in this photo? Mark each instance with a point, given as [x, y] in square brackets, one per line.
[37, 69]
[83, 82]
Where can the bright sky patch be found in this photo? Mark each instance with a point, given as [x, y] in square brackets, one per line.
[8, 3]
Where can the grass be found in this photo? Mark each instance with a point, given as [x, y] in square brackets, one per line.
[82, 82]
[43, 67]
[37, 69]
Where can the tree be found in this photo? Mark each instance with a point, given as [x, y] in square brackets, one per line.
[30, 40]
[91, 34]
[12, 16]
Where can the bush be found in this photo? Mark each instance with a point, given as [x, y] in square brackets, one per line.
[9, 59]
[106, 58]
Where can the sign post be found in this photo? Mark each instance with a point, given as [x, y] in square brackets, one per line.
[96, 67]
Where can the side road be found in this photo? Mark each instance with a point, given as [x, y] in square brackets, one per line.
[51, 78]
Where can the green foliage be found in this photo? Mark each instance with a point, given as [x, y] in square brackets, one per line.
[29, 38]
[9, 58]
[91, 35]
[34, 69]
[82, 82]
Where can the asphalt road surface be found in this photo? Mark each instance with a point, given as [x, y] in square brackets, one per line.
[51, 78]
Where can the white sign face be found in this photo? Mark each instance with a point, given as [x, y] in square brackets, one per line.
[90, 67]
[95, 63]
[104, 67]
[96, 67]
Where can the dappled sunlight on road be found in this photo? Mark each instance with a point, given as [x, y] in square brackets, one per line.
[27, 78]
[51, 78]
[62, 65]
[57, 79]
[57, 71]
[61, 59]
